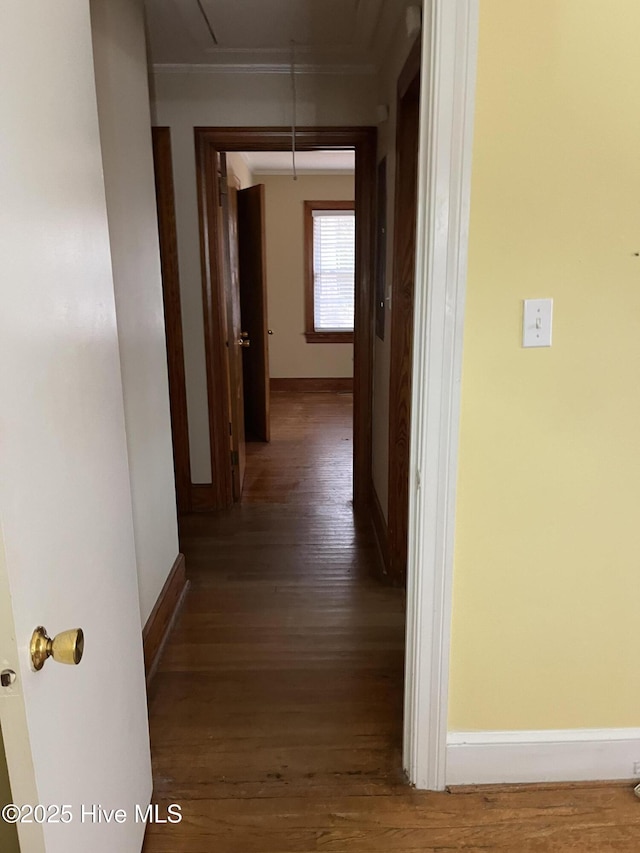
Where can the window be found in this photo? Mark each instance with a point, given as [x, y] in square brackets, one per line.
[329, 271]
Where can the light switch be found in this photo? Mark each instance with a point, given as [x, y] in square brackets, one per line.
[536, 322]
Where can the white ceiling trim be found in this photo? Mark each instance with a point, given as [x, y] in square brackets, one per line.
[262, 68]
[273, 173]
[301, 50]
[327, 162]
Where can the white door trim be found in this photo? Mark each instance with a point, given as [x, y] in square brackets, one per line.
[444, 185]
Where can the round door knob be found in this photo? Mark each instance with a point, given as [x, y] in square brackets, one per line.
[270, 331]
[67, 647]
[244, 342]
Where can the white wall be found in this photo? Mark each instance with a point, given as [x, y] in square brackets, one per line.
[289, 353]
[123, 105]
[388, 84]
[238, 165]
[186, 100]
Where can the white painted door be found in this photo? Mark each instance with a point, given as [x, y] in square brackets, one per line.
[74, 736]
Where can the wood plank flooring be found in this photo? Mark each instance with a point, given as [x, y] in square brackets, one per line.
[276, 713]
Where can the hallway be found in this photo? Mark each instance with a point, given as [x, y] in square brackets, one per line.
[284, 676]
[276, 715]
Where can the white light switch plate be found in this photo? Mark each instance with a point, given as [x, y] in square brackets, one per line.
[536, 322]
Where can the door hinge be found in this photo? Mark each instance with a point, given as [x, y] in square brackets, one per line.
[235, 460]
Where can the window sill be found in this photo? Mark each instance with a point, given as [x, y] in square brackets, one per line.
[329, 337]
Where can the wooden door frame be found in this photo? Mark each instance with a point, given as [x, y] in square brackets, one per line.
[165, 201]
[208, 141]
[401, 368]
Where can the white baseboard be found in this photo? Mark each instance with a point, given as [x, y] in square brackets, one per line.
[565, 755]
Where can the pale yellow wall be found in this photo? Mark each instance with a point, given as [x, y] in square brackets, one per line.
[289, 353]
[8, 834]
[125, 136]
[547, 581]
[184, 101]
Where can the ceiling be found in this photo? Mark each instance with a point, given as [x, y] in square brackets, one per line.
[329, 35]
[307, 162]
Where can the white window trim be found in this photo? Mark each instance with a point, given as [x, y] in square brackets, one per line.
[317, 213]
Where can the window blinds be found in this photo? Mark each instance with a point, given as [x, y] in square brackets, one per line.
[333, 270]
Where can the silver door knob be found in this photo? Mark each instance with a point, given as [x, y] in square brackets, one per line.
[270, 331]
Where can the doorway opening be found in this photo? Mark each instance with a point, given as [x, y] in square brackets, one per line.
[286, 576]
[287, 246]
[221, 322]
[315, 534]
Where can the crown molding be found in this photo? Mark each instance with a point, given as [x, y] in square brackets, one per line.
[275, 173]
[263, 68]
[259, 54]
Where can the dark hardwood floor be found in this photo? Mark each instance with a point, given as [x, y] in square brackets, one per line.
[276, 713]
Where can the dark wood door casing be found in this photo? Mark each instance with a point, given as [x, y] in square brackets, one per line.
[402, 302]
[209, 141]
[214, 311]
[165, 202]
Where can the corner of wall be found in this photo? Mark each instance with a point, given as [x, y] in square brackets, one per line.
[125, 132]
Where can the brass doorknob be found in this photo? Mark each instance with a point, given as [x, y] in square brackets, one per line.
[270, 331]
[67, 647]
[244, 342]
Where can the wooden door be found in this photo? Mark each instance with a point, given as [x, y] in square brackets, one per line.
[236, 337]
[73, 735]
[253, 306]
[402, 320]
